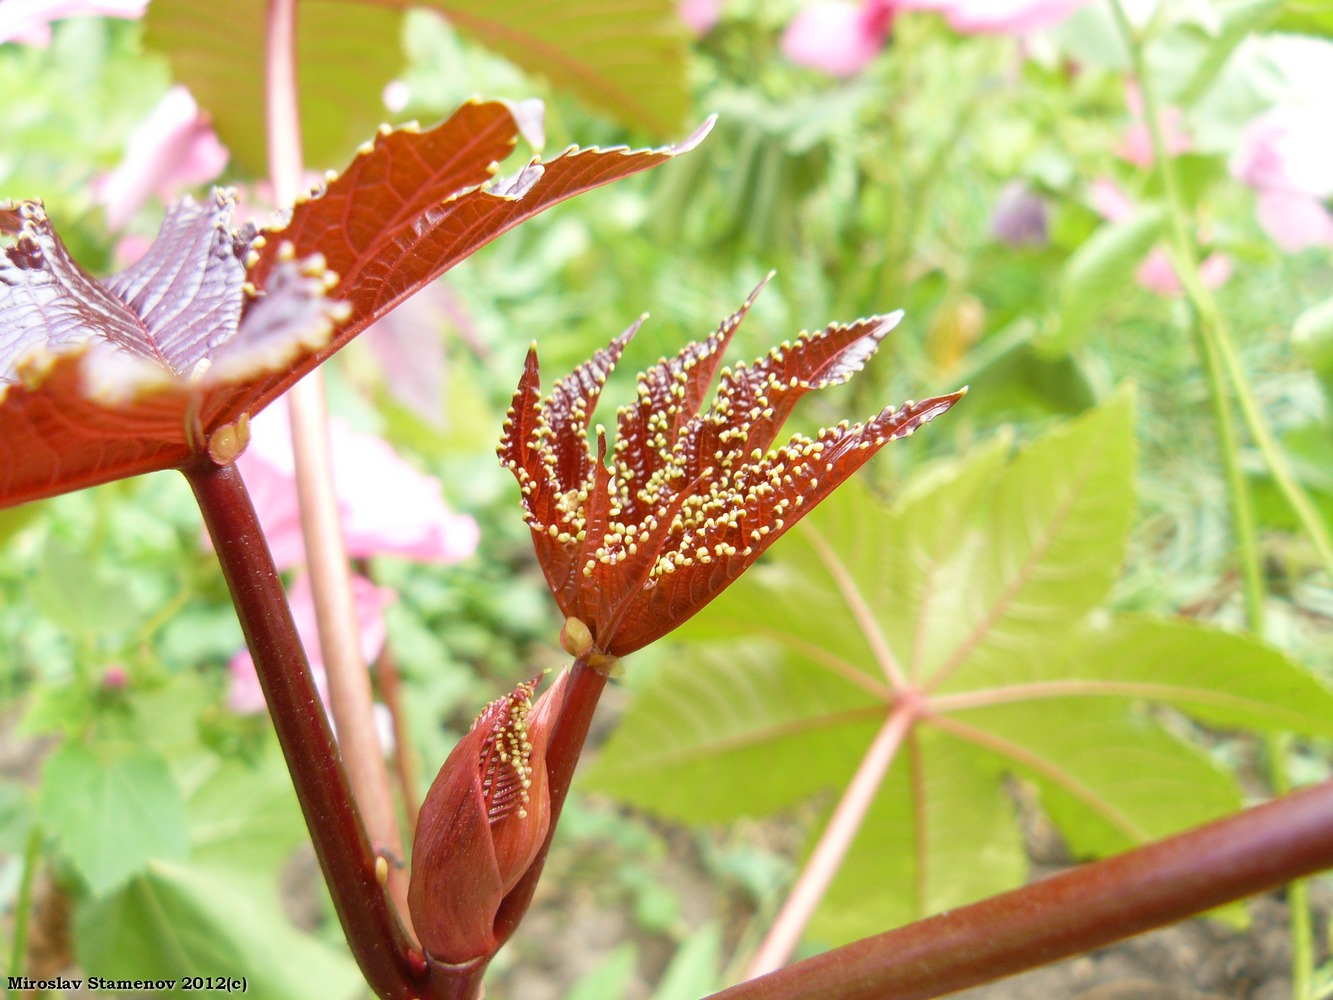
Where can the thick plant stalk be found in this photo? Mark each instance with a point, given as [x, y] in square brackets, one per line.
[373, 931]
[1088, 907]
[350, 695]
[800, 905]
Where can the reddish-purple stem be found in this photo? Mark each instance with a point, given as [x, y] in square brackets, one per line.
[377, 940]
[1074, 912]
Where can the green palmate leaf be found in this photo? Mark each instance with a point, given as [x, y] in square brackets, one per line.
[973, 595]
[114, 809]
[173, 921]
[221, 914]
[244, 821]
[81, 597]
[626, 58]
[1308, 17]
[346, 52]
[740, 709]
[937, 836]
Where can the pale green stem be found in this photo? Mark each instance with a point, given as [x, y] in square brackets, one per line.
[350, 696]
[1213, 326]
[1208, 332]
[18, 964]
[1298, 893]
[1217, 350]
[834, 842]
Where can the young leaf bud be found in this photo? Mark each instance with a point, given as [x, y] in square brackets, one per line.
[483, 821]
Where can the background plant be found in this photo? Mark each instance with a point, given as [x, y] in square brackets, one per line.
[871, 192]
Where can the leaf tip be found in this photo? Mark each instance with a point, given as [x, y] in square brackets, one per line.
[697, 136]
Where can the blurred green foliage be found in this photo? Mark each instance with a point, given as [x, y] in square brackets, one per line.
[866, 195]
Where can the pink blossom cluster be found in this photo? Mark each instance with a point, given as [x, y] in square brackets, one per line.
[1286, 155]
[840, 37]
[1155, 273]
[388, 508]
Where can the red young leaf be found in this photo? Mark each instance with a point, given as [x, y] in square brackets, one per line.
[413, 204]
[169, 358]
[691, 499]
[103, 380]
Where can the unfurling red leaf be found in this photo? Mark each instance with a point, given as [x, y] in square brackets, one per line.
[102, 380]
[693, 496]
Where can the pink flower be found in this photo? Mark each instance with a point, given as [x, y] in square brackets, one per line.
[1158, 276]
[1286, 155]
[1136, 144]
[997, 17]
[1109, 200]
[1155, 273]
[29, 21]
[699, 15]
[388, 507]
[409, 346]
[244, 694]
[172, 149]
[838, 37]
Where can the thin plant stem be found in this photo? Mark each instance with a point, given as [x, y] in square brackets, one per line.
[350, 695]
[843, 825]
[386, 669]
[394, 970]
[1298, 892]
[1211, 323]
[18, 964]
[1274, 457]
[1077, 911]
[1218, 351]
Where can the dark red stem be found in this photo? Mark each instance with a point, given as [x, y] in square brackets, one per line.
[1074, 912]
[582, 692]
[377, 940]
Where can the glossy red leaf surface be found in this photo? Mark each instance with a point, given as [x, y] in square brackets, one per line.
[693, 495]
[101, 380]
[413, 204]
